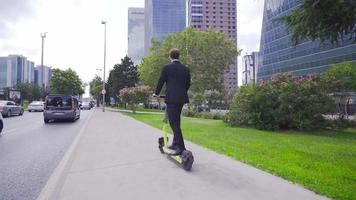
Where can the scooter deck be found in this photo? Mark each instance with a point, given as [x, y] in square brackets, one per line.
[171, 154]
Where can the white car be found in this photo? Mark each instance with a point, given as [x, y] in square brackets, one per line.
[1, 123]
[85, 105]
[36, 106]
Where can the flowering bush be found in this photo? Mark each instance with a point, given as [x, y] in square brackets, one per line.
[135, 95]
[285, 102]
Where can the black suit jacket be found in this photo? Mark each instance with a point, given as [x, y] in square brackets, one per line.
[177, 79]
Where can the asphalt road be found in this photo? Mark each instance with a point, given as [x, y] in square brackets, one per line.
[29, 152]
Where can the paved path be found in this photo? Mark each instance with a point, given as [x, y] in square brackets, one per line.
[117, 158]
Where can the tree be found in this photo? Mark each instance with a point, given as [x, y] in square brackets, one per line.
[96, 86]
[66, 82]
[329, 20]
[25, 89]
[207, 54]
[123, 75]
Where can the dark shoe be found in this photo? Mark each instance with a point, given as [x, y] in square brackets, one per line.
[172, 147]
[176, 152]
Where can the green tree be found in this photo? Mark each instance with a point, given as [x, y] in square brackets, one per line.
[96, 86]
[207, 54]
[329, 20]
[25, 89]
[123, 75]
[66, 82]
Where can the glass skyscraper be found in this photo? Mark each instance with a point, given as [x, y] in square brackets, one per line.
[15, 69]
[163, 17]
[278, 55]
[136, 34]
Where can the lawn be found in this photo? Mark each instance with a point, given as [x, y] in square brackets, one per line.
[322, 162]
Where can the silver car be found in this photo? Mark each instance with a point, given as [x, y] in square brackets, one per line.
[9, 108]
[36, 106]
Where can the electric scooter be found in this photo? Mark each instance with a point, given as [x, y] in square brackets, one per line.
[185, 160]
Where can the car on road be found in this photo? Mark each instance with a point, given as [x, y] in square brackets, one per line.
[1, 124]
[85, 105]
[61, 107]
[9, 108]
[36, 106]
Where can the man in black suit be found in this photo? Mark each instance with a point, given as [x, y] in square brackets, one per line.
[177, 79]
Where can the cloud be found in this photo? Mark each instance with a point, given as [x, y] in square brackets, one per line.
[11, 11]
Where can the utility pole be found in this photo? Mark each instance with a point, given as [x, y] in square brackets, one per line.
[43, 36]
[104, 92]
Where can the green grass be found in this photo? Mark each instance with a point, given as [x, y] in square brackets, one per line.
[322, 162]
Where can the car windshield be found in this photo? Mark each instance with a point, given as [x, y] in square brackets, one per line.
[61, 102]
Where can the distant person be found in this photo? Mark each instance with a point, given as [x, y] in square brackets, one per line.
[176, 76]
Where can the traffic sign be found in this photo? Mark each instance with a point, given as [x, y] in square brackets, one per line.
[103, 92]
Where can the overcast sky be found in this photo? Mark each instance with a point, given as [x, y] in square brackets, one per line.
[75, 34]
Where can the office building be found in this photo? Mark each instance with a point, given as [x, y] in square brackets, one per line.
[250, 63]
[163, 17]
[221, 16]
[15, 69]
[43, 76]
[136, 34]
[279, 56]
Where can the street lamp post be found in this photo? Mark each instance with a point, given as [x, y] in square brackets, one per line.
[43, 36]
[104, 22]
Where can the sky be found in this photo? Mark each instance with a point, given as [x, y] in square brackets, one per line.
[75, 35]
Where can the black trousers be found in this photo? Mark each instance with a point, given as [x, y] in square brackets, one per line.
[174, 111]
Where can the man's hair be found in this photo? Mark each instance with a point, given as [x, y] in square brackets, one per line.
[174, 53]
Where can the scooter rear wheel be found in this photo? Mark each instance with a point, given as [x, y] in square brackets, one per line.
[187, 160]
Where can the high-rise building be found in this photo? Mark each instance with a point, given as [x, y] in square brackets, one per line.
[43, 76]
[221, 16]
[163, 17]
[250, 63]
[279, 56]
[15, 69]
[136, 34]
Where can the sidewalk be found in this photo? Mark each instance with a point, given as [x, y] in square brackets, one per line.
[116, 157]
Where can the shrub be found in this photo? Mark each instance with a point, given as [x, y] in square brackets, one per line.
[204, 115]
[283, 103]
[135, 95]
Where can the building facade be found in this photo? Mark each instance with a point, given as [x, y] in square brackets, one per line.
[221, 16]
[250, 63]
[16, 69]
[163, 17]
[136, 34]
[279, 56]
[43, 76]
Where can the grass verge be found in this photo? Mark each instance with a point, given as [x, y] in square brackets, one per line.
[322, 162]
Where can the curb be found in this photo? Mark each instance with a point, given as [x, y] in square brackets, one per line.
[55, 182]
